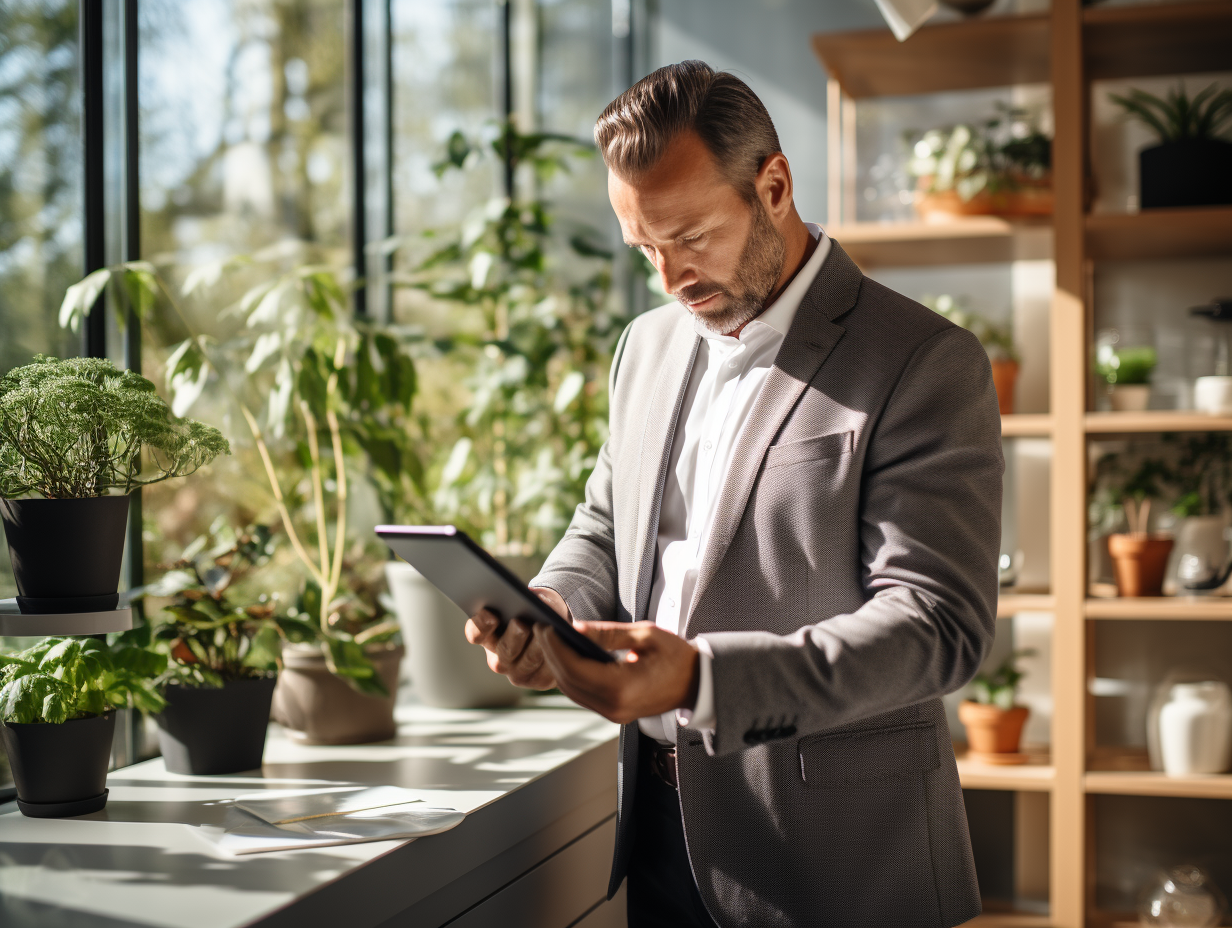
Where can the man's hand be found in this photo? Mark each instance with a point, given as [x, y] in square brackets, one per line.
[515, 652]
[659, 673]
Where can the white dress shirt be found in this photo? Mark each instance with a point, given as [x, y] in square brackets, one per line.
[727, 376]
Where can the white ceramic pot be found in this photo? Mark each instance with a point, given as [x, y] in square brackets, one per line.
[1199, 553]
[444, 669]
[1195, 728]
[1130, 397]
[1213, 395]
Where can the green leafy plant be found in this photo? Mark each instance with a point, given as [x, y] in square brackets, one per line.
[1125, 485]
[60, 679]
[534, 325]
[1201, 473]
[1125, 366]
[316, 388]
[1003, 153]
[998, 340]
[77, 428]
[1177, 116]
[207, 635]
[1000, 687]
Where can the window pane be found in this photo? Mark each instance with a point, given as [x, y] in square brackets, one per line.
[243, 146]
[40, 184]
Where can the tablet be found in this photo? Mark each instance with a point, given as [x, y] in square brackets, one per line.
[473, 579]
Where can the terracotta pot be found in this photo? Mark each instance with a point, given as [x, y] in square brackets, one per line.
[318, 708]
[1140, 561]
[993, 733]
[1129, 397]
[1004, 376]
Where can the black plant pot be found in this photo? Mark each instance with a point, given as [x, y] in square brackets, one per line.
[60, 770]
[207, 730]
[66, 553]
[1191, 172]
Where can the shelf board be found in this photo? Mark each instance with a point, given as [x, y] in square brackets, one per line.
[1187, 608]
[966, 240]
[1036, 775]
[1161, 420]
[1009, 920]
[1154, 783]
[1156, 39]
[1026, 425]
[1010, 603]
[1155, 234]
[985, 52]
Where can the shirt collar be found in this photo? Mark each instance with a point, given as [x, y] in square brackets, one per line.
[780, 314]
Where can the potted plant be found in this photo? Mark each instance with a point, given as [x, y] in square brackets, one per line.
[223, 653]
[72, 437]
[1126, 371]
[1001, 167]
[1192, 164]
[993, 720]
[1139, 556]
[315, 387]
[998, 341]
[57, 709]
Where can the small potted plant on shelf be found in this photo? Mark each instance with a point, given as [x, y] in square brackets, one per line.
[1192, 164]
[1126, 370]
[1000, 167]
[991, 716]
[223, 653]
[998, 341]
[72, 437]
[57, 708]
[1139, 556]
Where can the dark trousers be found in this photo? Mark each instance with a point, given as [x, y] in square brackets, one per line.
[661, 890]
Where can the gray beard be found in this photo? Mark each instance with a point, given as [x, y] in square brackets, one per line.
[757, 272]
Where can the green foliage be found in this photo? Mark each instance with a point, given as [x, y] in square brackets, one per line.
[207, 636]
[1202, 473]
[60, 679]
[1004, 152]
[1000, 688]
[77, 428]
[1125, 366]
[536, 328]
[1177, 116]
[998, 340]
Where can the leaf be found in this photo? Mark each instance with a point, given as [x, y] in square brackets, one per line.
[570, 387]
[80, 298]
[266, 346]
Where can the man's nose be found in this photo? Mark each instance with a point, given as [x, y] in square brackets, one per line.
[674, 274]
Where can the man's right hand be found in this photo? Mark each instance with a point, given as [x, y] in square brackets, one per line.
[515, 652]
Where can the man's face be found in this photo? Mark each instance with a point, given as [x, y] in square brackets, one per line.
[715, 252]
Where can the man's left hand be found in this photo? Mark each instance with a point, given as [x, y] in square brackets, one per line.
[658, 673]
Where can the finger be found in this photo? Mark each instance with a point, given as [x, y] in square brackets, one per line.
[585, 681]
[513, 643]
[617, 636]
[483, 628]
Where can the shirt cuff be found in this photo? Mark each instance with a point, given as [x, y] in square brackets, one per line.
[701, 716]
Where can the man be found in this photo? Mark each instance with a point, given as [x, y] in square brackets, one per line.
[798, 510]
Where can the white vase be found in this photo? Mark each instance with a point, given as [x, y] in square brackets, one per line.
[1213, 395]
[1195, 728]
[445, 669]
[1199, 554]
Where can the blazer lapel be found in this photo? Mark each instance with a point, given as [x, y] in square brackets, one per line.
[808, 343]
[655, 452]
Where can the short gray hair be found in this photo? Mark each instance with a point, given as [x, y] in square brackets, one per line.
[636, 128]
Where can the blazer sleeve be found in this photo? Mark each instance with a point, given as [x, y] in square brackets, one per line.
[929, 541]
[582, 567]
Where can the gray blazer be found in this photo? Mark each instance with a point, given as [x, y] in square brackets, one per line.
[849, 581]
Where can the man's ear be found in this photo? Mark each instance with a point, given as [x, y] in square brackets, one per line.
[774, 186]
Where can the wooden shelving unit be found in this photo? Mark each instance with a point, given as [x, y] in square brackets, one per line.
[1068, 48]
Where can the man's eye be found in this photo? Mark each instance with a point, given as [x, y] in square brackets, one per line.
[693, 239]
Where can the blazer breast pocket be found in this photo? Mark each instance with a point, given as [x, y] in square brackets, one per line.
[816, 448]
[853, 757]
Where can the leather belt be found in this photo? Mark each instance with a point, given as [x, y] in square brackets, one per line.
[662, 759]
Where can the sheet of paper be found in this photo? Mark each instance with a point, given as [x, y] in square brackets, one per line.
[279, 807]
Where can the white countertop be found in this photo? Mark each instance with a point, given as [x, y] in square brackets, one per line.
[142, 861]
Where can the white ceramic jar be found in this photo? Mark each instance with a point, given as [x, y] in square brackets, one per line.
[1213, 395]
[1195, 728]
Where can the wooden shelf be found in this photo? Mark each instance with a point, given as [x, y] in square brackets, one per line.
[1154, 234]
[1009, 603]
[1008, 920]
[1026, 425]
[1126, 771]
[969, 240]
[1036, 776]
[1163, 420]
[1163, 608]
[1155, 39]
[986, 52]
